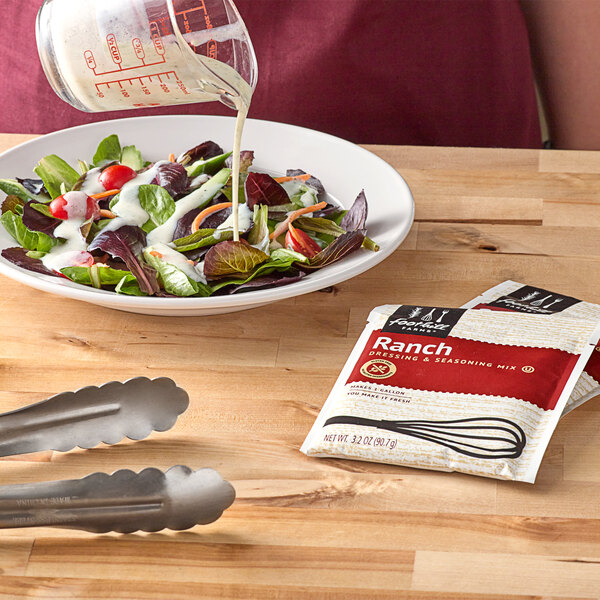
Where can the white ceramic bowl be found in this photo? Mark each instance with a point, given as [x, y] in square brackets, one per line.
[343, 167]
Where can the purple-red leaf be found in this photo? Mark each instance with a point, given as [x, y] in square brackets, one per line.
[173, 177]
[338, 249]
[127, 243]
[18, 256]
[246, 160]
[356, 217]
[312, 181]
[232, 258]
[261, 188]
[184, 225]
[203, 151]
[33, 186]
[36, 221]
[268, 281]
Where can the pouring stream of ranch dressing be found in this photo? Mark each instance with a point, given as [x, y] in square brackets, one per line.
[198, 78]
[228, 86]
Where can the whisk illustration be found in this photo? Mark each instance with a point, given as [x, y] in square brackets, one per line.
[479, 437]
[428, 316]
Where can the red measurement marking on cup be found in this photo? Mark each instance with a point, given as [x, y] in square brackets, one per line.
[156, 38]
[90, 61]
[142, 82]
[190, 20]
[113, 48]
[211, 49]
[138, 48]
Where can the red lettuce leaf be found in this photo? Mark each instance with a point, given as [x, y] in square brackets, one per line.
[246, 160]
[356, 217]
[232, 258]
[276, 279]
[203, 151]
[330, 209]
[184, 225]
[173, 177]
[36, 221]
[127, 243]
[261, 188]
[338, 249]
[13, 203]
[312, 180]
[18, 256]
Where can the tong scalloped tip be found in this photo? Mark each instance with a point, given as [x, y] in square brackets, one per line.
[93, 415]
[124, 501]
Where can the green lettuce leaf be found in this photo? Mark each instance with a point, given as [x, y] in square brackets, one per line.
[56, 174]
[12, 187]
[280, 260]
[157, 202]
[97, 275]
[30, 240]
[201, 239]
[109, 150]
[232, 258]
[209, 166]
[132, 157]
[174, 280]
[259, 234]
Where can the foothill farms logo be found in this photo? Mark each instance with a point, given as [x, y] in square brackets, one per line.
[529, 299]
[423, 320]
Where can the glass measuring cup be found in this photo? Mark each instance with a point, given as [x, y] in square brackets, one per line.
[101, 55]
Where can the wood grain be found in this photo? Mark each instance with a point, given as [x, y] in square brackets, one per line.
[325, 528]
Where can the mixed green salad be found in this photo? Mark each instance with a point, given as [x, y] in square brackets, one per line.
[124, 224]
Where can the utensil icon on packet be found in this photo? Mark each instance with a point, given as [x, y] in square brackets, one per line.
[540, 302]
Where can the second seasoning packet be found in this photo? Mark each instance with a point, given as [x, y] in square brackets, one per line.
[453, 389]
[513, 296]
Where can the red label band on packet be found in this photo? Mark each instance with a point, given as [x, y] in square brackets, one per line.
[474, 391]
[535, 375]
[518, 297]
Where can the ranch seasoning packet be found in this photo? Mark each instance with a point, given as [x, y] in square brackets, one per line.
[519, 297]
[454, 389]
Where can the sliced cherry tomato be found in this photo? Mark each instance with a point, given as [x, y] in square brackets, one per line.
[76, 258]
[71, 204]
[297, 240]
[116, 177]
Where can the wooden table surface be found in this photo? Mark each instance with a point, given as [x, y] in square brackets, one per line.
[324, 528]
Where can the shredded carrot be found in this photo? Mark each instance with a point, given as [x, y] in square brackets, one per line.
[155, 253]
[107, 214]
[304, 177]
[171, 157]
[282, 227]
[104, 194]
[207, 211]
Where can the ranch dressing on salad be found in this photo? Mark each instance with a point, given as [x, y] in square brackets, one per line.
[244, 219]
[128, 208]
[180, 261]
[66, 254]
[91, 183]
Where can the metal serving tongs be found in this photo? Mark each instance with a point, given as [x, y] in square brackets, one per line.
[92, 415]
[124, 501]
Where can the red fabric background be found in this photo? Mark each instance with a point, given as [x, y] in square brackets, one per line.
[451, 72]
[542, 387]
